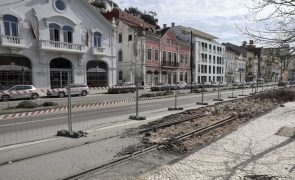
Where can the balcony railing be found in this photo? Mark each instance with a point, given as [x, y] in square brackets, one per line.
[12, 41]
[170, 64]
[98, 51]
[62, 46]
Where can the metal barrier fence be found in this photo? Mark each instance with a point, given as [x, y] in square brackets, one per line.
[90, 112]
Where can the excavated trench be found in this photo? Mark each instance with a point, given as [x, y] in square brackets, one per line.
[244, 110]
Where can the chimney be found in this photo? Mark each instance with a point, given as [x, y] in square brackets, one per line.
[251, 42]
[172, 24]
[164, 26]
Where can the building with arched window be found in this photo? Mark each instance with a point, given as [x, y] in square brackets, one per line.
[43, 43]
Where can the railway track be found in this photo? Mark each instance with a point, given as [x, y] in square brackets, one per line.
[170, 123]
[164, 144]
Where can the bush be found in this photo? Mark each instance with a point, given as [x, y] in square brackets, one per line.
[49, 104]
[166, 93]
[27, 105]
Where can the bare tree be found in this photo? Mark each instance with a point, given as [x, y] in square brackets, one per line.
[273, 22]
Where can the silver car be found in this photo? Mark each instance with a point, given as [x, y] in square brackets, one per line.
[76, 89]
[19, 92]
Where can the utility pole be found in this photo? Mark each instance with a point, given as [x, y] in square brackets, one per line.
[191, 59]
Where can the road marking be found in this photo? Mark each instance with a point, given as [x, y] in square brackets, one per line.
[151, 105]
[27, 144]
[50, 119]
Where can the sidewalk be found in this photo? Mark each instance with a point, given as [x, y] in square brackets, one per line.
[253, 149]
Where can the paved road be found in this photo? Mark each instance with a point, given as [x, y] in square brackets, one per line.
[91, 98]
[34, 127]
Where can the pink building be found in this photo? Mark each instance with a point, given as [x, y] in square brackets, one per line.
[167, 59]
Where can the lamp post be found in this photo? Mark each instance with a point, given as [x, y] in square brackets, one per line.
[191, 60]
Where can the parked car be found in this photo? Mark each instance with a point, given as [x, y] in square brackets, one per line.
[236, 83]
[195, 85]
[19, 92]
[282, 84]
[207, 84]
[181, 85]
[163, 87]
[76, 89]
[260, 80]
[124, 87]
[223, 84]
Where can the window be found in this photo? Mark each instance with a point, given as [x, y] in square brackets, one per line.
[185, 59]
[60, 5]
[68, 34]
[149, 55]
[120, 38]
[209, 69]
[10, 25]
[181, 58]
[164, 56]
[97, 39]
[120, 75]
[204, 78]
[169, 41]
[156, 55]
[54, 32]
[169, 56]
[181, 76]
[129, 37]
[186, 77]
[214, 70]
[175, 57]
[120, 55]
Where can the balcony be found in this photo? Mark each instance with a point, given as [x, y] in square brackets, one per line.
[61, 46]
[12, 41]
[170, 64]
[98, 51]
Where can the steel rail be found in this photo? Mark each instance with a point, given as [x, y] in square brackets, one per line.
[113, 163]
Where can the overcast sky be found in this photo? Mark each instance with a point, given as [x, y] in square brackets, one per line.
[217, 17]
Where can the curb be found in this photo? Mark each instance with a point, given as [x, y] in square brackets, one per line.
[74, 107]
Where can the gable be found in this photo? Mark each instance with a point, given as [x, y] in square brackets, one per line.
[169, 36]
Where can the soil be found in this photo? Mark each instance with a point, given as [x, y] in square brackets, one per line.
[244, 109]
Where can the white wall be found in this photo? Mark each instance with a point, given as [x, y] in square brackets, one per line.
[79, 15]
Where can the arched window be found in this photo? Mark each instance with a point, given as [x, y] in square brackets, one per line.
[10, 25]
[68, 34]
[54, 32]
[97, 39]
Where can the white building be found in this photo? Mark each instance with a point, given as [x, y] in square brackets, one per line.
[44, 41]
[208, 55]
[131, 45]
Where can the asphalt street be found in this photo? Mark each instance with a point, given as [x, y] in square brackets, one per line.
[35, 127]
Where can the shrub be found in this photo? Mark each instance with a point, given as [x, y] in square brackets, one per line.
[147, 95]
[49, 104]
[166, 93]
[27, 105]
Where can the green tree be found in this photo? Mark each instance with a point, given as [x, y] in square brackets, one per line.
[99, 5]
[149, 17]
[133, 11]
